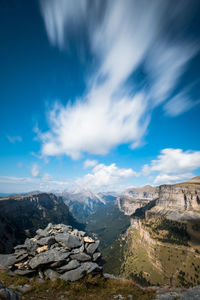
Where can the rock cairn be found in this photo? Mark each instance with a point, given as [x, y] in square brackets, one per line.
[58, 251]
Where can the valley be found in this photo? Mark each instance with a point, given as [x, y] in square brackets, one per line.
[150, 234]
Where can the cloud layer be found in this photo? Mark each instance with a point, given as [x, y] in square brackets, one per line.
[105, 177]
[123, 36]
[173, 165]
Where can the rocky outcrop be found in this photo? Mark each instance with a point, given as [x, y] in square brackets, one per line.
[58, 251]
[136, 198]
[185, 196]
[21, 216]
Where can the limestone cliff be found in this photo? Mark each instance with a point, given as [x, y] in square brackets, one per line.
[162, 246]
[136, 198]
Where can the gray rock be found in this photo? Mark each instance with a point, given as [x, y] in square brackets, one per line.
[78, 250]
[46, 241]
[78, 273]
[73, 264]
[19, 252]
[21, 257]
[51, 274]
[7, 260]
[82, 233]
[62, 227]
[8, 294]
[118, 297]
[56, 245]
[75, 251]
[41, 274]
[59, 263]
[24, 272]
[31, 246]
[24, 288]
[92, 247]
[96, 256]
[81, 257]
[49, 227]
[46, 257]
[20, 247]
[70, 241]
[75, 232]
[42, 233]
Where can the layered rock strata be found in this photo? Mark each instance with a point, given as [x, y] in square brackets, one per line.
[136, 198]
[58, 251]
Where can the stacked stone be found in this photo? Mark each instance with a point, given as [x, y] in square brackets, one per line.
[58, 251]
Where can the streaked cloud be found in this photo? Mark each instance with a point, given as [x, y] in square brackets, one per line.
[122, 36]
[179, 104]
[26, 184]
[14, 139]
[173, 165]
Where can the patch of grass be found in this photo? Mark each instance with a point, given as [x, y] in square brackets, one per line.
[13, 280]
[91, 287]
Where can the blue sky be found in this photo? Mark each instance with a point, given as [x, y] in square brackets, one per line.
[101, 95]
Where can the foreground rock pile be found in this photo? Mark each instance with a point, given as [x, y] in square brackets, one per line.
[56, 251]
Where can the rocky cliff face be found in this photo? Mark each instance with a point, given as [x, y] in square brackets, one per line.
[136, 198]
[185, 196]
[162, 245]
[22, 215]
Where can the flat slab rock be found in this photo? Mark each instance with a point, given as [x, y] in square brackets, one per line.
[6, 260]
[78, 273]
[70, 241]
[46, 257]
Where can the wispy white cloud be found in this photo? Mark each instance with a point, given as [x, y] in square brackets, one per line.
[35, 170]
[26, 184]
[179, 104]
[88, 163]
[122, 35]
[105, 177]
[173, 165]
[14, 139]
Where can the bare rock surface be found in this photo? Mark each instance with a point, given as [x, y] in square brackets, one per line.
[56, 251]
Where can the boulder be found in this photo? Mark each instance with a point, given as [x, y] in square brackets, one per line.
[46, 257]
[7, 260]
[73, 264]
[51, 274]
[68, 240]
[31, 246]
[81, 257]
[49, 240]
[96, 256]
[87, 239]
[78, 273]
[92, 247]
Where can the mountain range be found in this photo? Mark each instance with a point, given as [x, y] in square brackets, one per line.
[149, 234]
